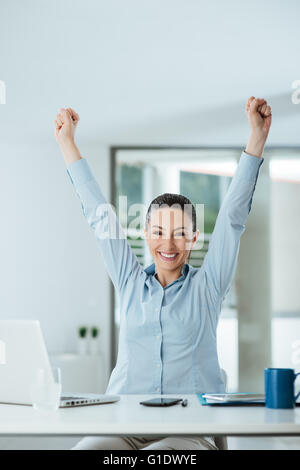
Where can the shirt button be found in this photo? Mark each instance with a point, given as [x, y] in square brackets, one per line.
[157, 336]
[156, 309]
[157, 389]
[158, 365]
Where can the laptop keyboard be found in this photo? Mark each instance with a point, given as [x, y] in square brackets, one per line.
[72, 398]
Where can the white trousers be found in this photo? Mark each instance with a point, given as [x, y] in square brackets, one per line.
[145, 443]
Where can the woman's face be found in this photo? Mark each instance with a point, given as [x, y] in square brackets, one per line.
[170, 237]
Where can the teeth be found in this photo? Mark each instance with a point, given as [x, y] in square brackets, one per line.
[168, 256]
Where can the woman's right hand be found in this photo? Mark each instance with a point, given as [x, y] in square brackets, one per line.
[65, 126]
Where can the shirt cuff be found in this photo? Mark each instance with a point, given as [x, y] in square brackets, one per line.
[249, 165]
[80, 172]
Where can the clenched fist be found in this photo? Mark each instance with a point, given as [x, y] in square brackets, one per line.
[65, 125]
[259, 116]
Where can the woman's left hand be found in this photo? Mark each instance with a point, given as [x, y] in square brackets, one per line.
[259, 115]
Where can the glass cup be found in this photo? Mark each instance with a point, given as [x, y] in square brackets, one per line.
[45, 390]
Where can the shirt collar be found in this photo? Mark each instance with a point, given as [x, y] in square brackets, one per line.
[151, 270]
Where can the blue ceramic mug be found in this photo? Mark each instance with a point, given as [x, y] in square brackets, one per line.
[279, 388]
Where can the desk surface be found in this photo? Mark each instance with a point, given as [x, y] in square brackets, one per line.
[128, 417]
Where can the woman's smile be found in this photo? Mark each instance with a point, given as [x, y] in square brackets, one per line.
[168, 257]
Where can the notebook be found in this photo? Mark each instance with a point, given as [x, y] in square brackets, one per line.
[231, 398]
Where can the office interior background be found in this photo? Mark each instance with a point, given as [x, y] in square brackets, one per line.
[161, 89]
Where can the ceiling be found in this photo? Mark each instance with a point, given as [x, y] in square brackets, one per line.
[148, 72]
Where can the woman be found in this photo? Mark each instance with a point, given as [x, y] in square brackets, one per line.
[170, 310]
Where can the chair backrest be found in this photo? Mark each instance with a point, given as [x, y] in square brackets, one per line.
[221, 441]
[224, 378]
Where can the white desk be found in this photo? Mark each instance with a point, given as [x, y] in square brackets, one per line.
[128, 417]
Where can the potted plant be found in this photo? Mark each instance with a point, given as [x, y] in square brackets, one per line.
[94, 340]
[82, 340]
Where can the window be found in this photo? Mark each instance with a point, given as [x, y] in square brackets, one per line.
[201, 175]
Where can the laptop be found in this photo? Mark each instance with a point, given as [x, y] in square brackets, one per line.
[22, 351]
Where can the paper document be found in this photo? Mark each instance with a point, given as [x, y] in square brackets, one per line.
[231, 397]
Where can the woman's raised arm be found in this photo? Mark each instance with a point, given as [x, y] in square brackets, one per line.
[120, 261]
[220, 261]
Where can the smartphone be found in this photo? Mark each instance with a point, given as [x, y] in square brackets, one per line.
[161, 402]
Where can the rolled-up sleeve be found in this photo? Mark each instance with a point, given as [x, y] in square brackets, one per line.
[119, 259]
[221, 259]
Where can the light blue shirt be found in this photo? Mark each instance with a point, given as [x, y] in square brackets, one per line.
[167, 339]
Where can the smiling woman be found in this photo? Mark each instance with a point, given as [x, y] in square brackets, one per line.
[170, 233]
[170, 310]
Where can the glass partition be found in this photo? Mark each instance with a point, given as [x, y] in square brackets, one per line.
[204, 175]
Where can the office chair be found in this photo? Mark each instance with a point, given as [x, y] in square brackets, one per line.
[221, 441]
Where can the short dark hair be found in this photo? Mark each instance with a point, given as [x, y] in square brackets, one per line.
[169, 199]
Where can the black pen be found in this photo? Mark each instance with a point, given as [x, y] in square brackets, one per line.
[184, 402]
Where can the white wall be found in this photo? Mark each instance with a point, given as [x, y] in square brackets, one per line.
[149, 72]
[285, 238]
[137, 73]
[51, 268]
